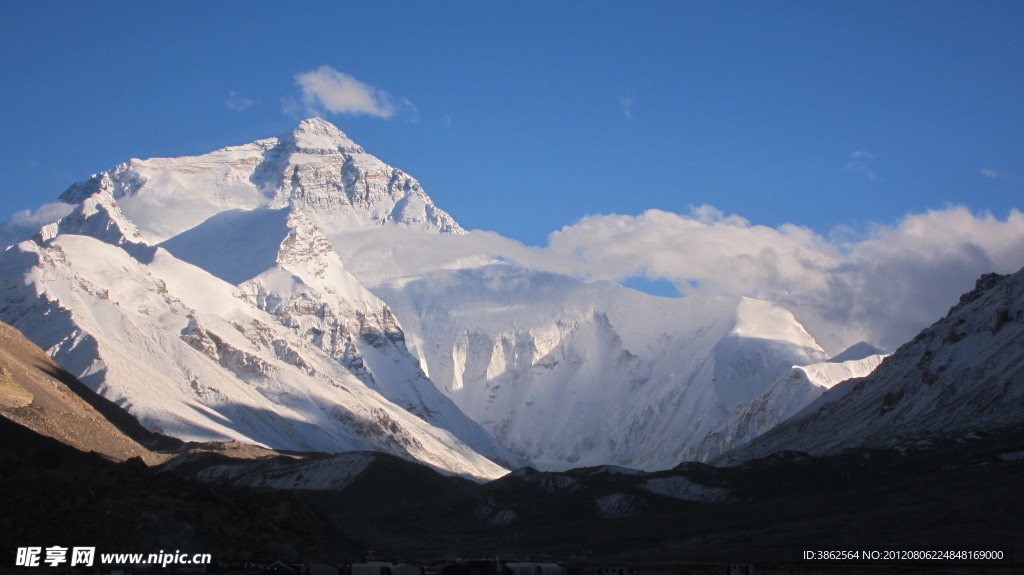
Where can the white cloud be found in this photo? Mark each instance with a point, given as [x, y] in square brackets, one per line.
[46, 214]
[906, 276]
[998, 175]
[881, 286]
[714, 252]
[860, 161]
[238, 103]
[25, 223]
[326, 89]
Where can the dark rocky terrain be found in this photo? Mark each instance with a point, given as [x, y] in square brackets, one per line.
[57, 495]
[947, 496]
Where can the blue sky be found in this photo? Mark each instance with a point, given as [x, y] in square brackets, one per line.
[525, 117]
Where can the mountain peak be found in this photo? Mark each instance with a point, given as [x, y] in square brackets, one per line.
[319, 134]
[859, 350]
[318, 125]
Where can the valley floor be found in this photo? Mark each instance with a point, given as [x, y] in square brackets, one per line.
[953, 496]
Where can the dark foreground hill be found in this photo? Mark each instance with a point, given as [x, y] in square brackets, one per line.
[947, 497]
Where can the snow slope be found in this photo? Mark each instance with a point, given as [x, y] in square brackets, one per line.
[786, 396]
[188, 356]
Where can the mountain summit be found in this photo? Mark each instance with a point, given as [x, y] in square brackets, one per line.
[315, 168]
[314, 134]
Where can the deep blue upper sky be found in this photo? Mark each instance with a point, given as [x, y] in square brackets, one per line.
[523, 117]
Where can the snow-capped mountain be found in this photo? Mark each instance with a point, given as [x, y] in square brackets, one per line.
[231, 296]
[204, 299]
[962, 375]
[315, 168]
[575, 374]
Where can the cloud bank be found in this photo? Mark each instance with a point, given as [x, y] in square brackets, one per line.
[882, 286]
[326, 89]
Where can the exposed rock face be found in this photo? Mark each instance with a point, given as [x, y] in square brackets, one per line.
[37, 393]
